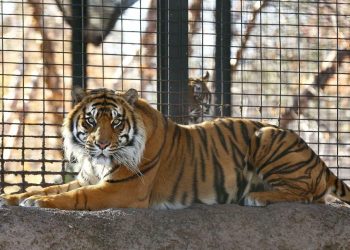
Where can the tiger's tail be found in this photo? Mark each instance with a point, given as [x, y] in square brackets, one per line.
[338, 188]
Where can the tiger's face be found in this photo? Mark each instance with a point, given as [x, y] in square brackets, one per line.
[198, 88]
[199, 98]
[104, 129]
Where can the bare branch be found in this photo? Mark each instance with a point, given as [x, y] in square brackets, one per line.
[194, 21]
[51, 76]
[256, 11]
[148, 49]
[320, 81]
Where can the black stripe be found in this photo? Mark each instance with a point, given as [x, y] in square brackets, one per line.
[174, 140]
[319, 176]
[184, 198]
[234, 157]
[104, 101]
[259, 125]
[241, 184]
[224, 123]
[189, 143]
[203, 136]
[233, 130]
[136, 130]
[71, 125]
[202, 162]
[236, 152]
[219, 180]
[257, 147]
[73, 115]
[144, 171]
[342, 188]
[292, 183]
[286, 168]
[175, 187]
[103, 104]
[75, 137]
[177, 135]
[221, 137]
[245, 132]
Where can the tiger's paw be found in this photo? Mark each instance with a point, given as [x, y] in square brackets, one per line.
[34, 201]
[9, 200]
[254, 202]
[3, 202]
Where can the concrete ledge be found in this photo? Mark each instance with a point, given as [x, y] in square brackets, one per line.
[280, 226]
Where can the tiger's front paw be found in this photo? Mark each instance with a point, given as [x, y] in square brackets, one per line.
[35, 201]
[9, 200]
[3, 201]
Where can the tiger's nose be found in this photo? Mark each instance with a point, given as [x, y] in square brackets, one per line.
[102, 144]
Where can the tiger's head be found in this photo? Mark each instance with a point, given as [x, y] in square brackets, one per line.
[198, 88]
[103, 128]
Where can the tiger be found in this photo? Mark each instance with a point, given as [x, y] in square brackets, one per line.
[199, 98]
[131, 156]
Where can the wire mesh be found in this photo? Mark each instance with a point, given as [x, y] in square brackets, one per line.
[282, 62]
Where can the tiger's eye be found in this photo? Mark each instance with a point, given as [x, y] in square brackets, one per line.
[116, 123]
[91, 121]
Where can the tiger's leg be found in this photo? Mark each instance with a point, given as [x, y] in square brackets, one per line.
[93, 197]
[260, 199]
[16, 199]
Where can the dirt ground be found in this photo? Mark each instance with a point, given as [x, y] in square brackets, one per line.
[280, 226]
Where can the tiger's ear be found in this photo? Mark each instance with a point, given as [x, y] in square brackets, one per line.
[131, 96]
[77, 95]
[206, 77]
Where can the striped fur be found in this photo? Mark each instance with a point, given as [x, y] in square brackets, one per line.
[130, 155]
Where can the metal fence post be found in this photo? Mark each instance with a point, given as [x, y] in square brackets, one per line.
[79, 45]
[222, 58]
[172, 58]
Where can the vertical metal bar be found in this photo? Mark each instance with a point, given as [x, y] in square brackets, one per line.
[222, 58]
[45, 74]
[172, 59]
[63, 166]
[337, 95]
[178, 60]
[24, 184]
[162, 54]
[2, 145]
[79, 55]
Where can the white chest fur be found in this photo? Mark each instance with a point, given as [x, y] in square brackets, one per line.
[92, 173]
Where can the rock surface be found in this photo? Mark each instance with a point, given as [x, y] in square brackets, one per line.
[279, 226]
